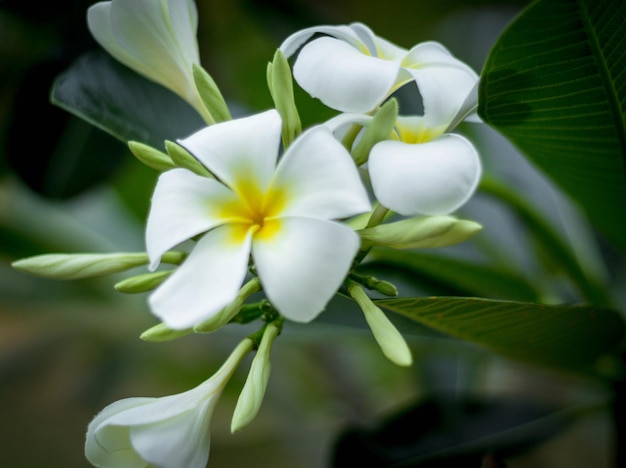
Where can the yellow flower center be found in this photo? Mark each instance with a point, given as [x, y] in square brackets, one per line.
[415, 134]
[253, 209]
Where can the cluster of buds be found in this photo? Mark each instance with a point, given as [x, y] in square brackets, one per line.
[292, 224]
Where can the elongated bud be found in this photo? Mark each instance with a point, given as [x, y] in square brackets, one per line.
[162, 332]
[377, 130]
[142, 283]
[387, 336]
[182, 158]
[151, 157]
[421, 232]
[280, 84]
[211, 96]
[253, 391]
[85, 265]
[223, 317]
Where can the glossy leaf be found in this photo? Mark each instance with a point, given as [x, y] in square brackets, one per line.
[443, 275]
[110, 96]
[554, 84]
[565, 337]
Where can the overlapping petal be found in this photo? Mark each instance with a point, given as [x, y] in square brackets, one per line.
[240, 151]
[435, 177]
[342, 77]
[303, 263]
[156, 38]
[208, 280]
[168, 432]
[319, 178]
[181, 209]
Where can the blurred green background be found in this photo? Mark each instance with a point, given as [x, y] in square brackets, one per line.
[69, 349]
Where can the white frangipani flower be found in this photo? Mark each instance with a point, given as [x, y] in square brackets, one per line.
[156, 38]
[168, 432]
[280, 213]
[353, 70]
[422, 170]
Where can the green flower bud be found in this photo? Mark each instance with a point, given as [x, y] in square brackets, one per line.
[162, 332]
[142, 283]
[231, 310]
[280, 84]
[253, 391]
[377, 130]
[419, 233]
[387, 336]
[372, 283]
[182, 158]
[151, 157]
[210, 94]
[84, 265]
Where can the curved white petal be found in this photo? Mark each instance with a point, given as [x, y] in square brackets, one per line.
[241, 151]
[319, 179]
[436, 177]
[155, 38]
[295, 41]
[182, 208]
[111, 446]
[208, 280]
[343, 77]
[303, 263]
[444, 82]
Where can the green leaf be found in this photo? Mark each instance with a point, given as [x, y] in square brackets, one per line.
[453, 276]
[112, 97]
[566, 337]
[554, 84]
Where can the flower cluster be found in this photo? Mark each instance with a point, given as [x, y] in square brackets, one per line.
[291, 223]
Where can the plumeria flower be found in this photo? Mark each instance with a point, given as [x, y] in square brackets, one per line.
[280, 213]
[156, 38]
[351, 69]
[168, 432]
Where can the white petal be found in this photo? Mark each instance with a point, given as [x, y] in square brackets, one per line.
[141, 35]
[436, 177]
[343, 77]
[319, 178]
[240, 151]
[295, 41]
[182, 440]
[181, 209]
[207, 281]
[303, 263]
[444, 82]
[111, 446]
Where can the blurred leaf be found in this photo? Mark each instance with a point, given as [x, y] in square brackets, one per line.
[114, 98]
[565, 337]
[445, 431]
[453, 276]
[554, 85]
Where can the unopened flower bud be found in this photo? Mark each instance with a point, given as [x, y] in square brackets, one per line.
[142, 283]
[162, 332]
[150, 156]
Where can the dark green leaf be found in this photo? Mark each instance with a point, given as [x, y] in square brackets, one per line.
[452, 276]
[112, 97]
[554, 84]
[565, 337]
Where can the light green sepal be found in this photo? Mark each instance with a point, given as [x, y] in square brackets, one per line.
[211, 96]
[142, 283]
[419, 233]
[280, 84]
[151, 157]
[161, 332]
[78, 266]
[379, 129]
[182, 158]
[227, 313]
